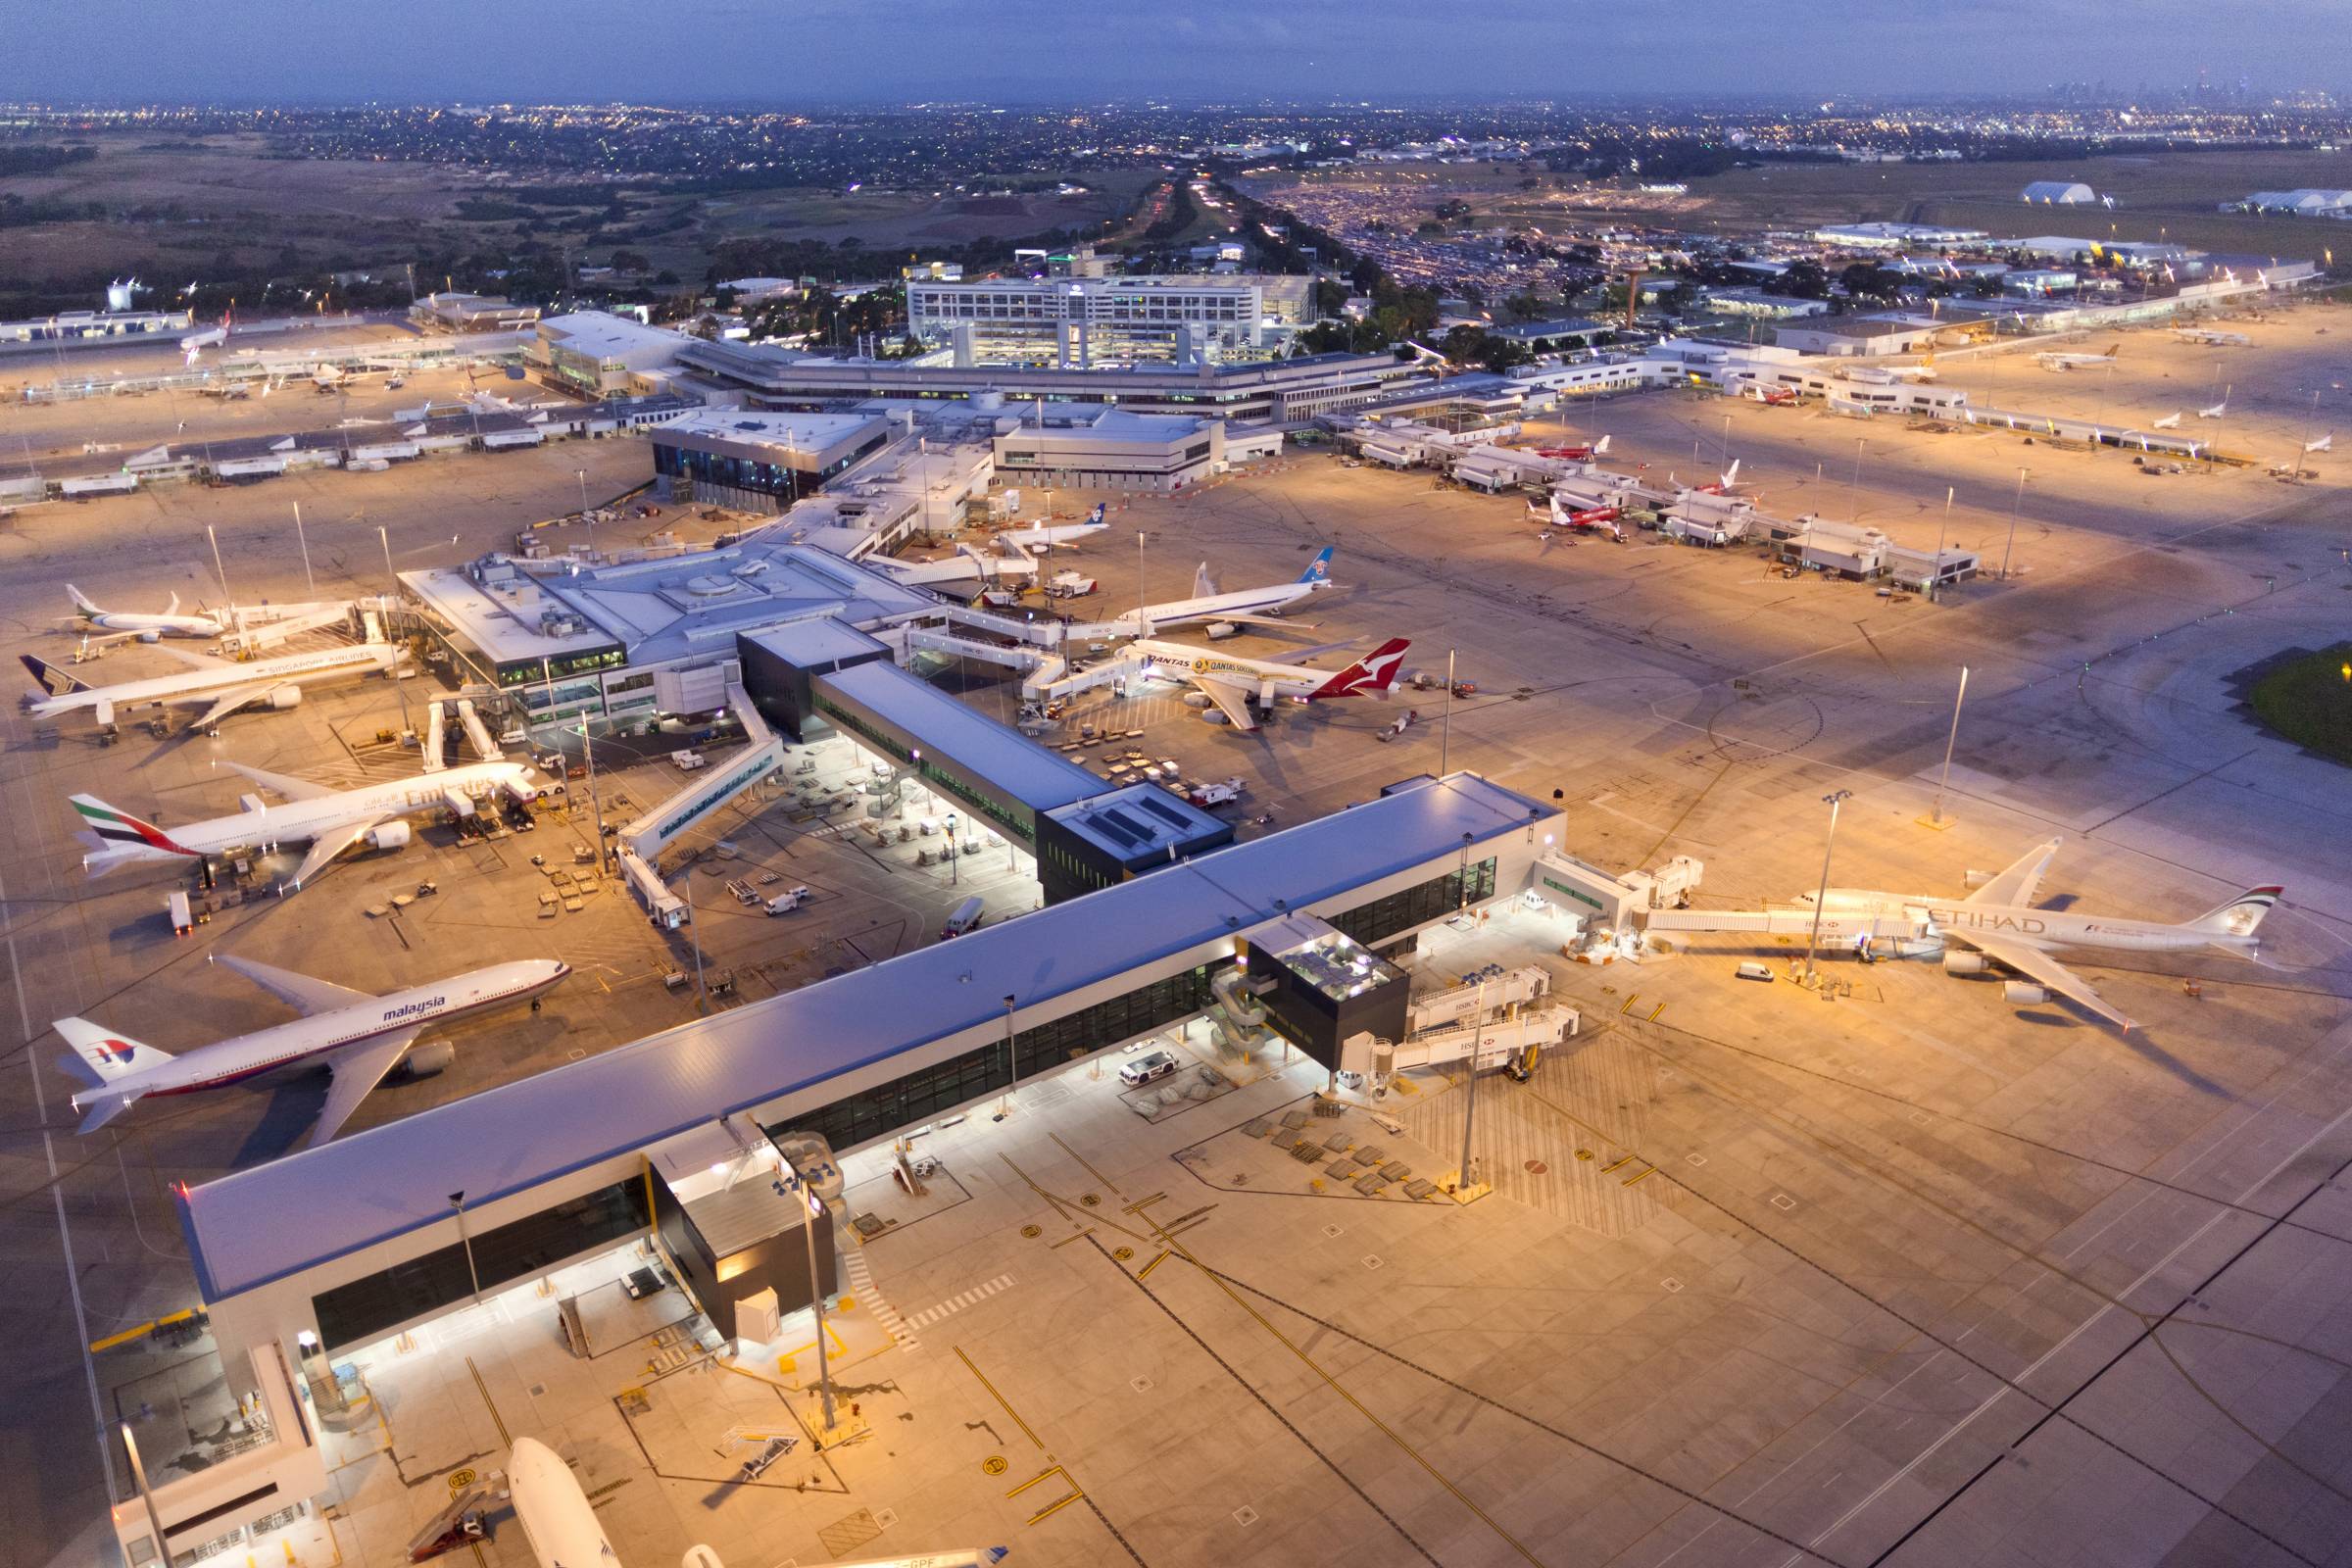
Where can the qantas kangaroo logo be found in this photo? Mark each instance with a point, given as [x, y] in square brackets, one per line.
[1371, 673]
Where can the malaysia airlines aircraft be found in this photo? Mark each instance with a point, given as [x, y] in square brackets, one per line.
[126, 624]
[1243, 687]
[2056, 361]
[1254, 607]
[329, 820]
[274, 683]
[1998, 924]
[360, 1036]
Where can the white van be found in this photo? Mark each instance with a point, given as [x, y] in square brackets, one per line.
[688, 761]
[788, 901]
[1754, 971]
[965, 918]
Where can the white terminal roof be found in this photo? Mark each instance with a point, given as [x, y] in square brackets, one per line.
[1034, 774]
[803, 435]
[276, 1219]
[612, 337]
[665, 610]
[503, 619]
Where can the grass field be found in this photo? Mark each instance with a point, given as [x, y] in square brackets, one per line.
[2309, 700]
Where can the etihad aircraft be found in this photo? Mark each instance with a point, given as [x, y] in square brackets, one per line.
[2325, 443]
[1244, 688]
[1997, 924]
[2058, 361]
[329, 820]
[2171, 421]
[360, 1036]
[272, 682]
[2210, 337]
[126, 624]
[1254, 607]
[2217, 409]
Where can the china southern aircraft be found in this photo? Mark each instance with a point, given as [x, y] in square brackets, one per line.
[360, 1036]
[1997, 924]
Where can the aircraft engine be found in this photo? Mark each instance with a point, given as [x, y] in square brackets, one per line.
[282, 696]
[428, 1059]
[459, 803]
[389, 835]
[151, 636]
[1214, 715]
[1964, 964]
[2024, 993]
[1195, 699]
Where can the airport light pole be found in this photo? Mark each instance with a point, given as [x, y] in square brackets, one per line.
[1935, 568]
[390, 576]
[816, 1212]
[2014, 502]
[1011, 1071]
[588, 751]
[1853, 491]
[1478, 1028]
[310, 583]
[955, 860]
[220, 573]
[1834, 799]
[1445, 723]
[1936, 818]
[457, 1200]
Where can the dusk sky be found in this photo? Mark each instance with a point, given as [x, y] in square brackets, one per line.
[818, 51]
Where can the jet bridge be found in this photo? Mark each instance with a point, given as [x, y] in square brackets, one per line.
[654, 831]
[485, 747]
[436, 737]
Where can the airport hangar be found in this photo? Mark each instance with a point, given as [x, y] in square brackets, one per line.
[335, 1248]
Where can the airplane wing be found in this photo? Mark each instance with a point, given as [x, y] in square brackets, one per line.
[106, 639]
[1296, 656]
[358, 1068]
[2017, 886]
[231, 701]
[1259, 621]
[326, 846]
[1232, 700]
[295, 989]
[2039, 967]
[191, 657]
[285, 784]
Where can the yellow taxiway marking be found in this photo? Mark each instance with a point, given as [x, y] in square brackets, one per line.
[999, 1399]
[1144, 1272]
[484, 1390]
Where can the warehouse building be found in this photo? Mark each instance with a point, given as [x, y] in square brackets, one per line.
[1110, 449]
[472, 313]
[1866, 337]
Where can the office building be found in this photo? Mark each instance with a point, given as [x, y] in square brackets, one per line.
[1077, 323]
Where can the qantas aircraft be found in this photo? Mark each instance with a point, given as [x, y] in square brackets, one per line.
[1997, 924]
[1244, 689]
[360, 1036]
[331, 821]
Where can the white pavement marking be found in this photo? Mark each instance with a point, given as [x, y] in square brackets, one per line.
[56, 1195]
[956, 1303]
[861, 1281]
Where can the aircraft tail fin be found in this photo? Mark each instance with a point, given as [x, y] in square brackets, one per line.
[119, 830]
[2240, 918]
[103, 1059]
[81, 601]
[1375, 672]
[1600, 448]
[1205, 586]
[173, 609]
[52, 680]
[1319, 569]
